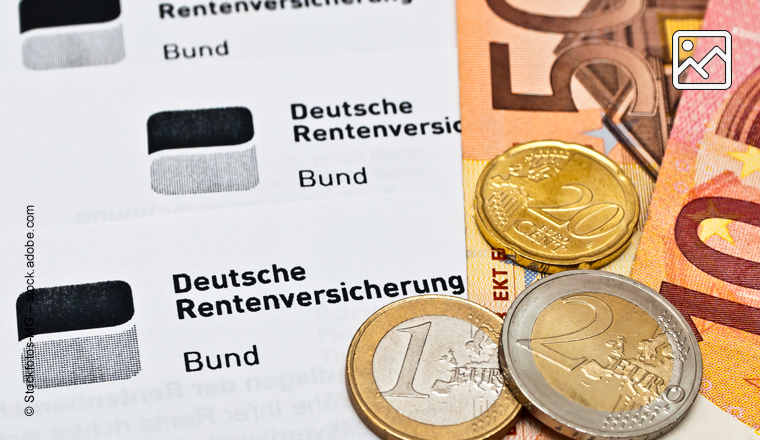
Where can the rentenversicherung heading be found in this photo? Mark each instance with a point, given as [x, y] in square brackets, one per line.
[188, 308]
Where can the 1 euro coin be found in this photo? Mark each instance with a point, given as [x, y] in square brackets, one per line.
[596, 355]
[427, 368]
[553, 206]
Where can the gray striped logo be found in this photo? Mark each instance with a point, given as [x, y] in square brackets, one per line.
[203, 136]
[78, 49]
[205, 173]
[78, 361]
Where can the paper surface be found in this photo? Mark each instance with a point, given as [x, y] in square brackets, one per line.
[143, 33]
[162, 196]
[360, 93]
[81, 137]
[297, 389]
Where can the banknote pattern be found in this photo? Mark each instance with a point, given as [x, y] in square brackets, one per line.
[700, 247]
[597, 74]
[496, 117]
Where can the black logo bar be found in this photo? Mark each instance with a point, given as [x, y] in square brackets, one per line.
[35, 14]
[199, 128]
[76, 307]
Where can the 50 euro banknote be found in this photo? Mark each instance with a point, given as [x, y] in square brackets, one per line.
[592, 72]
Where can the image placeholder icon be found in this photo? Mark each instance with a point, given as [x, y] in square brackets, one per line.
[684, 44]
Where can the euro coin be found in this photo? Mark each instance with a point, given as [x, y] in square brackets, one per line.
[596, 355]
[552, 206]
[428, 368]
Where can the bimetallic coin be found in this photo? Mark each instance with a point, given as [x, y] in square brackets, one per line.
[428, 368]
[595, 355]
[552, 206]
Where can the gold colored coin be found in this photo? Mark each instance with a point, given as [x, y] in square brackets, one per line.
[626, 364]
[427, 368]
[553, 206]
[598, 356]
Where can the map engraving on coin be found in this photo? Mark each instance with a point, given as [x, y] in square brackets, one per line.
[597, 355]
[554, 206]
[618, 351]
[438, 370]
[428, 368]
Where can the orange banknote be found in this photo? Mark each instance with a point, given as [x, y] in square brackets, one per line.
[701, 245]
[591, 72]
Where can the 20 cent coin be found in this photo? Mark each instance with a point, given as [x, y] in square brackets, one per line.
[553, 206]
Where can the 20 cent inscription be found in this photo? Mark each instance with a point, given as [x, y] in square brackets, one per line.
[556, 205]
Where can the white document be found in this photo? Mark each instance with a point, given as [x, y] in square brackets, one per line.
[707, 421]
[92, 147]
[102, 122]
[43, 36]
[276, 346]
[214, 197]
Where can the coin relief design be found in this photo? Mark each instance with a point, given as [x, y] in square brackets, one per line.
[438, 370]
[596, 355]
[601, 351]
[427, 368]
[557, 204]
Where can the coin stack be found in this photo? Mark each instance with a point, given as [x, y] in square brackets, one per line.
[591, 354]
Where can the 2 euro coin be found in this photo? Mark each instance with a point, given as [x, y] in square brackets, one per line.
[597, 355]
